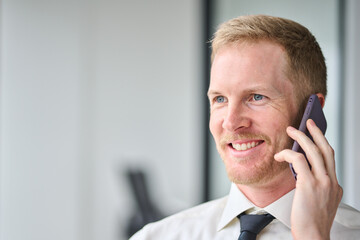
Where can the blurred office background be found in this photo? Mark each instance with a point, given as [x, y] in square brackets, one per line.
[91, 89]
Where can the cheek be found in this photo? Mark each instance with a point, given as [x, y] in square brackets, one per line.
[280, 126]
[215, 125]
[274, 125]
[212, 125]
[278, 132]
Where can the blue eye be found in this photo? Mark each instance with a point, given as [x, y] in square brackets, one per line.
[220, 99]
[258, 97]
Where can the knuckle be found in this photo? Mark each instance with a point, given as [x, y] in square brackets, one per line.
[328, 149]
[316, 150]
[341, 191]
[326, 183]
[299, 157]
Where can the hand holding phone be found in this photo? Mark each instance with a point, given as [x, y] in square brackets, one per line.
[316, 187]
[312, 111]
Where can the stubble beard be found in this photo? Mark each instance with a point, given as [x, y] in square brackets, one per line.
[261, 172]
[258, 175]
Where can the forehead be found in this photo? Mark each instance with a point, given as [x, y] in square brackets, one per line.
[250, 65]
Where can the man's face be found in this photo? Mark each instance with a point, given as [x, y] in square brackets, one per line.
[252, 102]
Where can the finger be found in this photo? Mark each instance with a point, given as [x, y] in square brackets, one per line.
[324, 146]
[298, 161]
[313, 153]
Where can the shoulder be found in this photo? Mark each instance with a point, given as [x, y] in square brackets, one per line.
[347, 223]
[189, 221]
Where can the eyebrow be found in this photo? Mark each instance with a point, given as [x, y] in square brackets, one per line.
[213, 92]
[258, 88]
[249, 90]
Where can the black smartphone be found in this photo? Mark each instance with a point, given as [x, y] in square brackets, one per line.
[313, 111]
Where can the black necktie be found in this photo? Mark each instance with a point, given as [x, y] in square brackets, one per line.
[251, 225]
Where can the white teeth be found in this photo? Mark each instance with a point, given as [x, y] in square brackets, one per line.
[244, 146]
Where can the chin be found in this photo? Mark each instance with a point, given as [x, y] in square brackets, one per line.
[256, 175]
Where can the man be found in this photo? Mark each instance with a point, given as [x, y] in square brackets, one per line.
[263, 71]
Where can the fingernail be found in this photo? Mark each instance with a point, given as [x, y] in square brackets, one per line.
[290, 128]
[312, 122]
[277, 157]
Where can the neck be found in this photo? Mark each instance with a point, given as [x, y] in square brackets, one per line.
[264, 194]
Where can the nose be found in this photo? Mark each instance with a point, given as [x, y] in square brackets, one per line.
[236, 118]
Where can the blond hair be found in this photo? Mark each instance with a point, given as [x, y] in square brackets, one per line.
[306, 63]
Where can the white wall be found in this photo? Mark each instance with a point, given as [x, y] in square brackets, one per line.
[39, 120]
[89, 88]
[350, 103]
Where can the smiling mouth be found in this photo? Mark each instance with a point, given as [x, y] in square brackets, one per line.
[245, 146]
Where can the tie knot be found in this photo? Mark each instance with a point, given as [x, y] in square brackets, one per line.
[254, 223]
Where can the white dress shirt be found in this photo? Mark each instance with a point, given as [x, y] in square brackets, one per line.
[217, 219]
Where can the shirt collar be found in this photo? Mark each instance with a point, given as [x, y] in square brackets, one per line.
[281, 208]
[238, 203]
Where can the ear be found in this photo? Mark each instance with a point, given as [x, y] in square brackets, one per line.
[321, 99]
